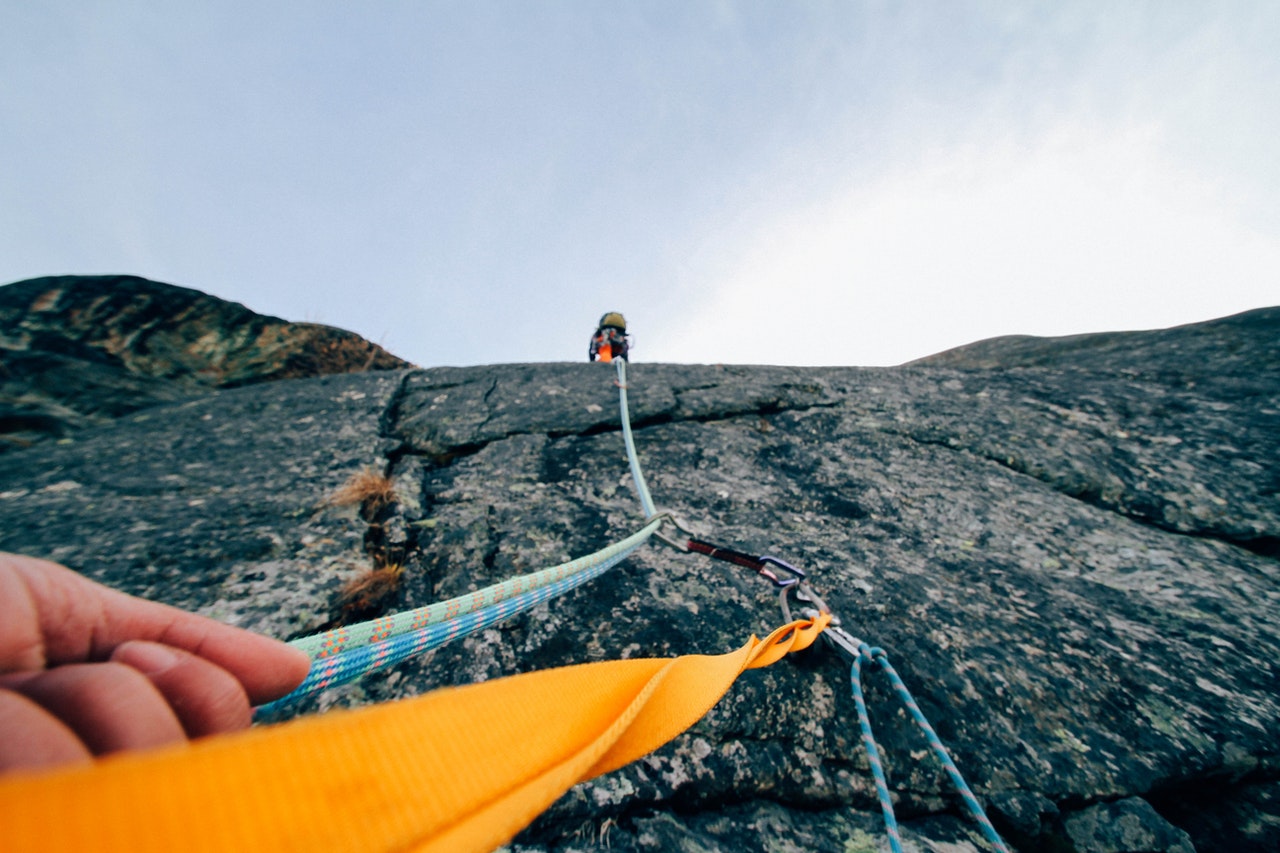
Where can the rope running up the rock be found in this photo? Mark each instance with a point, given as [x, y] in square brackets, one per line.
[637, 476]
[345, 654]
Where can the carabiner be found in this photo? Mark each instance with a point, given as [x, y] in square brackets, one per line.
[797, 575]
[841, 639]
[670, 517]
[805, 593]
[844, 641]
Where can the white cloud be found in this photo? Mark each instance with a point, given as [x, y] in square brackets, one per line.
[1083, 229]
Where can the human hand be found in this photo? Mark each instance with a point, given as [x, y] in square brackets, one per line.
[86, 670]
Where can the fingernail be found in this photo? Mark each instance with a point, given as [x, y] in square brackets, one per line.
[147, 658]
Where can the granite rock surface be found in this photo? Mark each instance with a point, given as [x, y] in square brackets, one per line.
[1072, 563]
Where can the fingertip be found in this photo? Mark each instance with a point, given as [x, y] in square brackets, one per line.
[266, 667]
[299, 664]
[275, 671]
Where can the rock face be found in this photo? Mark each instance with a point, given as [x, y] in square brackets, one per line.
[82, 350]
[1071, 559]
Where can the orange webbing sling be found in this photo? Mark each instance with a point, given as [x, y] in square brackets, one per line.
[458, 769]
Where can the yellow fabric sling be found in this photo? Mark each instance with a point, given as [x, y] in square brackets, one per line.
[458, 769]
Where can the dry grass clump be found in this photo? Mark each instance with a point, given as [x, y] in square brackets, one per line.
[371, 590]
[374, 589]
[368, 488]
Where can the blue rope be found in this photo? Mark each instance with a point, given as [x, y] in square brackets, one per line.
[877, 656]
[353, 663]
[873, 753]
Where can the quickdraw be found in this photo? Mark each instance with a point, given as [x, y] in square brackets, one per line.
[859, 654]
[763, 565]
[793, 581]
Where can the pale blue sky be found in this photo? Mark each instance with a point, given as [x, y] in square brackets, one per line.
[773, 182]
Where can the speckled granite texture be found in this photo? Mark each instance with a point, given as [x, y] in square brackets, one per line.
[1072, 561]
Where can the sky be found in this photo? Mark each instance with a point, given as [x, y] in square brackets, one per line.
[815, 183]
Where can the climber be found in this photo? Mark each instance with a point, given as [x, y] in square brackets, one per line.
[610, 340]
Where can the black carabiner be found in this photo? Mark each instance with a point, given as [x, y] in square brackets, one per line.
[797, 575]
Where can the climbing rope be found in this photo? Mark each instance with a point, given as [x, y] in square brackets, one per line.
[876, 657]
[637, 476]
[873, 756]
[352, 651]
[347, 653]
[337, 640]
[859, 653]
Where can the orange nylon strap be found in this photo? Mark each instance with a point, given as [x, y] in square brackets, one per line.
[458, 769]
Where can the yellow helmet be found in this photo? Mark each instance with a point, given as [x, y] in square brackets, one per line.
[615, 320]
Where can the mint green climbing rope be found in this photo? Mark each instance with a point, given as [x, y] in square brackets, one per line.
[330, 643]
[352, 651]
[642, 488]
[383, 650]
